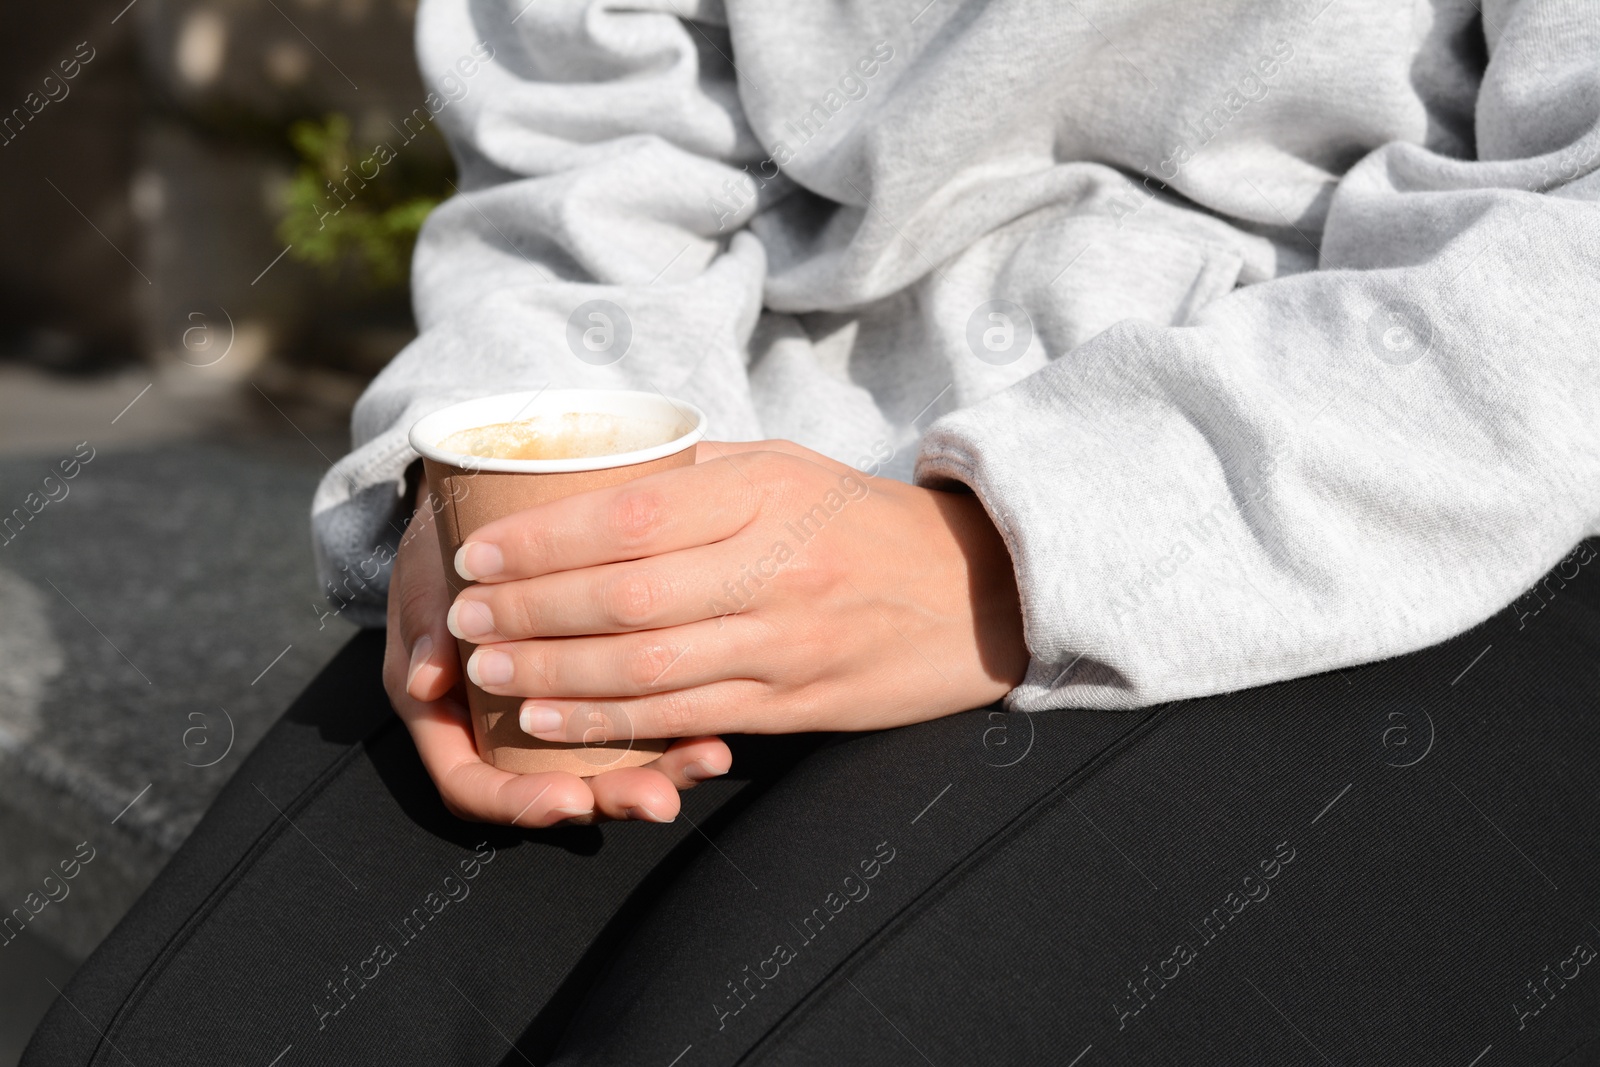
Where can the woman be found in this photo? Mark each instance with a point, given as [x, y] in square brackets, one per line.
[1212, 386]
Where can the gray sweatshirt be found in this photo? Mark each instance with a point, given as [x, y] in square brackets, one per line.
[1265, 331]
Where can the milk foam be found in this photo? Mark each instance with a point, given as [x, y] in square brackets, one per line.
[573, 435]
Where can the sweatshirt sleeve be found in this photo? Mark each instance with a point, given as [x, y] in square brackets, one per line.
[1338, 466]
[595, 239]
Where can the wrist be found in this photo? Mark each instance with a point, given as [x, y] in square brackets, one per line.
[991, 588]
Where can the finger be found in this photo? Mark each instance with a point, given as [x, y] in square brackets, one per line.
[635, 793]
[663, 512]
[709, 451]
[472, 789]
[694, 760]
[734, 451]
[736, 705]
[627, 794]
[670, 590]
[419, 603]
[652, 661]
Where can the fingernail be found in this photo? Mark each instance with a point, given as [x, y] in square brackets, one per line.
[574, 812]
[539, 719]
[644, 814]
[477, 560]
[489, 666]
[419, 655]
[470, 620]
[702, 770]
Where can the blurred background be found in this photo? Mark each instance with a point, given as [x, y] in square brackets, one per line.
[205, 259]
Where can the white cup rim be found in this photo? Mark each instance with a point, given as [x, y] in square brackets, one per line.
[428, 431]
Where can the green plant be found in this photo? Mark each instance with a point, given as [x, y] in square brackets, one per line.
[348, 210]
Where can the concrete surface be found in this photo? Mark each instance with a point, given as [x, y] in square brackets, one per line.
[155, 619]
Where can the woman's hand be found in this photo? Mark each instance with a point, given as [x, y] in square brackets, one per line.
[764, 589]
[421, 671]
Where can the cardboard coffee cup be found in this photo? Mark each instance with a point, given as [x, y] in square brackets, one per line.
[620, 436]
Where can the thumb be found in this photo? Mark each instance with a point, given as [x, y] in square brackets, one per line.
[419, 601]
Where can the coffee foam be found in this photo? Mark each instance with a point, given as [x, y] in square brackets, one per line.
[572, 435]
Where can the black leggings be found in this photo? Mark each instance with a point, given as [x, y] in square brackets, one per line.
[1393, 864]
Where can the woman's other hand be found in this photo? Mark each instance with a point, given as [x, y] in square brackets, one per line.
[764, 589]
[421, 671]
